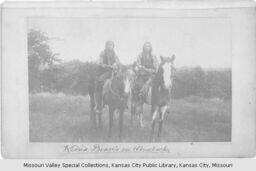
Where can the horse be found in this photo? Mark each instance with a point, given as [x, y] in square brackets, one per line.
[161, 93]
[137, 99]
[115, 95]
[157, 96]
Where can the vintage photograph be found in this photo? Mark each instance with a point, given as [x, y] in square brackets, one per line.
[129, 79]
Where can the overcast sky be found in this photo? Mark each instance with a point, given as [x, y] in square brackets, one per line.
[194, 41]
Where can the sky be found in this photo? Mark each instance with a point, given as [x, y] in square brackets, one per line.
[204, 42]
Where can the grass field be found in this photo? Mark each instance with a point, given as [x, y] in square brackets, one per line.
[63, 118]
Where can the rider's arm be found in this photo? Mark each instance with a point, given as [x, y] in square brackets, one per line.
[138, 61]
[139, 64]
[117, 61]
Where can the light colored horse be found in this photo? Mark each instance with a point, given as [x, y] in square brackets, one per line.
[161, 93]
[157, 96]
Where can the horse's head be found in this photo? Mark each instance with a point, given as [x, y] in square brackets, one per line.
[122, 80]
[167, 69]
[128, 78]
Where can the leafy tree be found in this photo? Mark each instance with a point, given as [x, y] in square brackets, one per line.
[40, 59]
[48, 73]
[204, 83]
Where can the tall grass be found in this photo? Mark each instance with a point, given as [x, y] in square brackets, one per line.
[66, 118]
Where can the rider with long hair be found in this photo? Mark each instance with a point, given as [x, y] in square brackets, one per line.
[146, 66]
[107, 62]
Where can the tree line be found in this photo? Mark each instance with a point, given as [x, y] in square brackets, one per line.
[48, 73]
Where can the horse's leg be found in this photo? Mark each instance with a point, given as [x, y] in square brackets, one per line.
[98, 101]
[111, 118]
[100, 119]
[98, 108]
[132, 111]
[140, 113]
[92, 113]
[161, 119]
[141, 119]
[154, 115]
[121, 117]
[96, 98]
[160, 126]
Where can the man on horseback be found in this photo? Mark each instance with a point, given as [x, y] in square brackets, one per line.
[146, 67]
[107, 63]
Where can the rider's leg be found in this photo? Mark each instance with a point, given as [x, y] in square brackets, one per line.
[99, 88]
[105, 88]
[146, 86]
[98, 94]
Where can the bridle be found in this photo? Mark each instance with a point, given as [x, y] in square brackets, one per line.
[121, 97]
[158, 71]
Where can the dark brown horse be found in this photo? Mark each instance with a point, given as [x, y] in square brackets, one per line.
[115, 94]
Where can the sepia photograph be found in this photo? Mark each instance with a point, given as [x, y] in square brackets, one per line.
[129, 79]
[95, 80]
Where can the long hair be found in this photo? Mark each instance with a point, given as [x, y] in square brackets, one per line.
[109, 52]
[144, 49]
